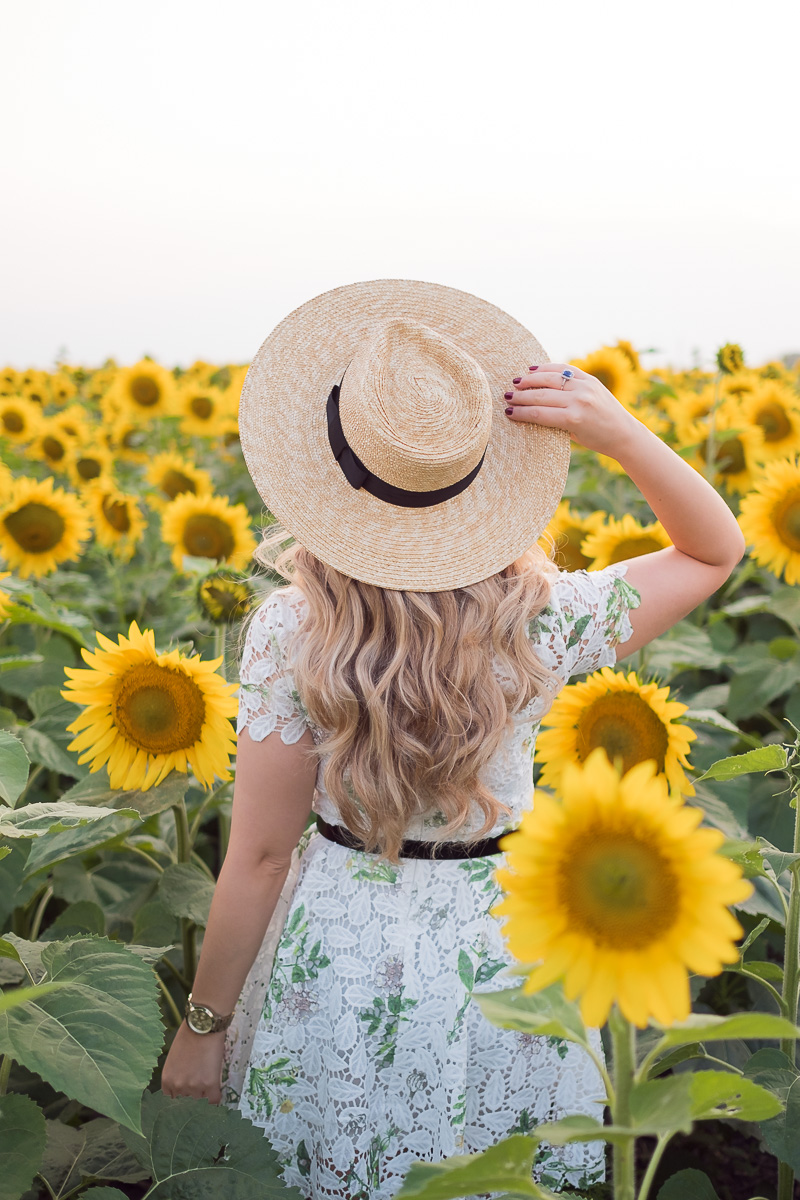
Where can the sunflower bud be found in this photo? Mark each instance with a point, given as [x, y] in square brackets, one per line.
[730, 358]
[225, 596]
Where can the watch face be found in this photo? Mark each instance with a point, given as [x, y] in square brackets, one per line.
[200, 1019]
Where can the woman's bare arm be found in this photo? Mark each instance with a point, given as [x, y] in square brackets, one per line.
[707, 541]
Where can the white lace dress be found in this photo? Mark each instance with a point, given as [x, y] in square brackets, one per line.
[355, 1045]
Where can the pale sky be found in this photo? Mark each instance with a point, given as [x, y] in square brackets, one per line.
[179, 174]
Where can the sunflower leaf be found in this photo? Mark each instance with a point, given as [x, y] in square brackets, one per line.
[708, 1027]
[186, 891]
[766, 758]
[547, 1012]
[14, 767]
[22, 1142]
[98, 1035]
[205, 1151]
[687, 1185]
[96, 790]
[94, 1149]
[774, 1070]
[78, 837]
[508, 1164]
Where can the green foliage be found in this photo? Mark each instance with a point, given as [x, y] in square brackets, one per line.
[506, 1165]
[22, 1142]
[688, 1185]
[14, 767]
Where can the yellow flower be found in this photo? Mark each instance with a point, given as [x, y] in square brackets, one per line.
[41, 526]
[118, 521]
[74, 421]
[145, 390]
[51, 445]
[200, 409]
[730, 358]
[616, 891]
[208, 527]
[612, 367]
[88, 463]
[567, 530]
[770, 519]
[35, 387]
[631, 354]
[5, 599]
[6, 482]
[686, 409]
[618, 540]
[173, 475]
[62, 388]
[224, 596]
[737, 444]
[629, 720]
[738, 385]
[775, 407]
[149, 714]
[19, 418]
[127, 438]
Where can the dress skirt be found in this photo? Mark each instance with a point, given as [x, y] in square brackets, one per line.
[357, 1049]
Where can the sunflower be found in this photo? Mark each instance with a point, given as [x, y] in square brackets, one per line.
[612, 367]
[730, 358]
[6, 482]
[118, 521]
[172, 475]
[75, 423]
[51, 445]
[208, 527]
[770, 519]
[89, 463]
[41, 526]
[149, 714]
[9, 381]
[738, 385]
[35, 387]
[687, 408]
[614, 890]
[199, 408]
[225, 596]
[617, 540]
[567, 530]
[5, 599]
[738, 447]
[19, 418]
[631, 721]
[144, 390]
[127, 438]
[631, 354]
[62, 388]
[774, 407]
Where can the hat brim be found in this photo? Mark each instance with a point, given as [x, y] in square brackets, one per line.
[284, 439]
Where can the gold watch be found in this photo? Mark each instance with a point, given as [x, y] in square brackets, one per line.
[202, 1019]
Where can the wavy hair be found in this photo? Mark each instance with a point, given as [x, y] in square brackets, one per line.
[402, 684]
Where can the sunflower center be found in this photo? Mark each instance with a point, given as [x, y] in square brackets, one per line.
[633, 547]
[144, 391]
[626, 727]
[159, 710]
[730, 458]
[207, 536]
[774, 420]
[569, 548]
[88, 468]
[53, 448]
[35, 527]
[13, 421]
[223, 599]
[174, 482]
[786, 519]
[116, 513]
[202, 407]
[618, 889]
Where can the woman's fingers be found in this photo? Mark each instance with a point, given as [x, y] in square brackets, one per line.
[538, 414]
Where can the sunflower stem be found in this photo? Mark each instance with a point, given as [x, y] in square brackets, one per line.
[5, 1071]
[183, 846]
[791, 970]
[623, 1037]
[219, 648]
[36, 923]
[171, 1005]
[652, 1166]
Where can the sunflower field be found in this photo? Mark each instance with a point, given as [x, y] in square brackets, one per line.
[128, 525]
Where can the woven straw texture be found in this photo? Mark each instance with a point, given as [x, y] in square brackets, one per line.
[419, 415]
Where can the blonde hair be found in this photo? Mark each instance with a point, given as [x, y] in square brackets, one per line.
[402, 683]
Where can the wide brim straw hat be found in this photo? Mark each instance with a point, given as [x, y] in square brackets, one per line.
[422, 369]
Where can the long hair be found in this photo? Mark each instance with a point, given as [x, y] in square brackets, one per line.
[402, 683]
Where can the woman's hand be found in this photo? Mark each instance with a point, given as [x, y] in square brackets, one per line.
[584, 406]
[193, 1066]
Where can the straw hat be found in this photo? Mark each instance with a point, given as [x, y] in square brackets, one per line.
[348, 470]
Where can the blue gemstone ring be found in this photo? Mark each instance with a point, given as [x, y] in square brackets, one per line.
[567, 375]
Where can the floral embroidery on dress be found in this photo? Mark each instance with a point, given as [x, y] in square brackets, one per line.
[356, 1045]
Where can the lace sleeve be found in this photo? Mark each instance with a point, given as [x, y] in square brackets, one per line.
[593, 616]
[268, 699]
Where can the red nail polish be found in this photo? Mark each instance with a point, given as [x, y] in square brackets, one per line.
[533, 368]
[517, 380]
[508, 395]
[509, 411]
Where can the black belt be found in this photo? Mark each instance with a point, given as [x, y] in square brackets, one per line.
[412, 849]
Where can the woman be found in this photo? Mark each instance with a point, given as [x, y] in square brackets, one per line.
[396, 685]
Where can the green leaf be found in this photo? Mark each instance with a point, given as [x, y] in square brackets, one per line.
[688, 1185]
[720, 1094]
[10, 662]
[771, 971]
[97, 1038]
[546, 1012]
[775, 1071]
[465, 970]
[779, 860]
[19, 996]
[582, 1129]
[205, 1151]
[508, 1164]
[96, 790]
[710, 716]
[105, 1193]
[83, 917]
[35, 820]
[766, 758]
[755, 688]
[153, 925]
[42, 749]
[708, 1027]
[22, 1142]
[95, 1150]
[186, 891]
[14, 767]
[79, 838]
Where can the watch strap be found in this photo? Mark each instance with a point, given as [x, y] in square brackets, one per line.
[218, 1022]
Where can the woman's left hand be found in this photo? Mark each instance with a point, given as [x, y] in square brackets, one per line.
[583, 406]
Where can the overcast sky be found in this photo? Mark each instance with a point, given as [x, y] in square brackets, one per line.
[179, 175]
